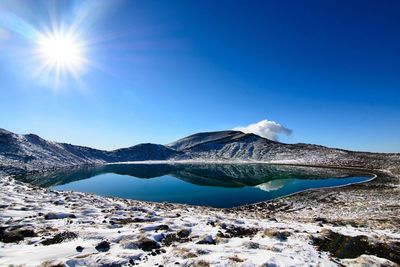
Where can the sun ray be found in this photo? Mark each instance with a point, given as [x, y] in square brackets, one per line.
[61, 53]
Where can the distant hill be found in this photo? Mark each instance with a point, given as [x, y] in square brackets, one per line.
[201, 138]
[26, 153]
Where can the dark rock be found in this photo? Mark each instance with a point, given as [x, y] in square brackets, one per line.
[54, 216]
[342, 246]
[320, 219]
[208, 240]
[58, 202]
[26, 232]
[132, 220]
[59, 238]
[79, 248]
[2, 230]
[103, 246]
[15, 234]
[221, 234]
[162, 227]
[252, 245]
[169, 239]
[147, 244]
[183, 233]
[238, 231]
[280, 235]
[12, 237]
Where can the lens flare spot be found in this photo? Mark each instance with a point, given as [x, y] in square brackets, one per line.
[61, 53]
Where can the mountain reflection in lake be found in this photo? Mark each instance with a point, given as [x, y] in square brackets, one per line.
[216, 185]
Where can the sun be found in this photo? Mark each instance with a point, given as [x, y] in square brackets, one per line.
[61, 53]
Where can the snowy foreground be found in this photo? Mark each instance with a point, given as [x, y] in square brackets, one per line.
[49, 228]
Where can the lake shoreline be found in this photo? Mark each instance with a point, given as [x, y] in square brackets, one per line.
[304, 217]
[197, 184]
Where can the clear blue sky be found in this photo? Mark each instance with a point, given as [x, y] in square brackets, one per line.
[160, 70]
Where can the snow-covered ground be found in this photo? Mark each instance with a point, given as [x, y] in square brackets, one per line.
[52, 228]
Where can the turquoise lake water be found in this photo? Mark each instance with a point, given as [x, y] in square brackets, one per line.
[216, 185]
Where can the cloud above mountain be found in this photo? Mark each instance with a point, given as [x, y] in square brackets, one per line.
[265, 128]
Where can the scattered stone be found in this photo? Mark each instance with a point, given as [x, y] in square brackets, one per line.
[252, 245]
[189, 255]
[59, 238]
[59, 202]
[235, 258]
[280, 235]
[15, 234]
[169, 239]
[202, 263]
[208, 240]
[26, 232]
[60, 215]
[343, 246]
[12, 237]
[2, 230]
[239, 231]
[183, 233]
[202, 251]
[162, 227]
[368, 260]
[147, 244]
[156, 227]
[103, 246]
[320, 219]
[52, 264]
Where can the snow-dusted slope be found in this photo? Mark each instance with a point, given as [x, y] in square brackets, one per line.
[22, 153]
[201, 138]
[237, 146]
[25, 153]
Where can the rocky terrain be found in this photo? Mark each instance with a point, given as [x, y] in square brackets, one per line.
[42, 227]
[356, 225]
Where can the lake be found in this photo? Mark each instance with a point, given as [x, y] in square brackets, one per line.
[215, 185]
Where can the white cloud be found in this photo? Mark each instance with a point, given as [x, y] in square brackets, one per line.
[265, 128]
[274, 185]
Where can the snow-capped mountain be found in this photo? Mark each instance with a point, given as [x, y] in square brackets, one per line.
[238, 146]
[25, 153]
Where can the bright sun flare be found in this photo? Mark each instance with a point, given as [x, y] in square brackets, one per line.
[61, 53]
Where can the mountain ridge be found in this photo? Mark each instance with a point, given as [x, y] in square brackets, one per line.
[31, 153]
